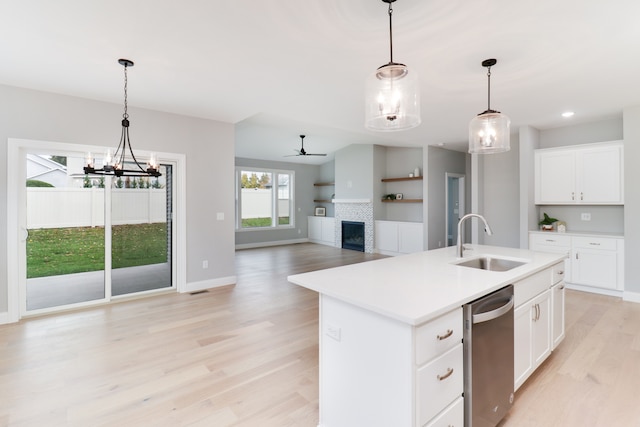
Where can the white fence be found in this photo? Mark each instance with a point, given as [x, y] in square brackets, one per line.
[84, 207]
[257, 203]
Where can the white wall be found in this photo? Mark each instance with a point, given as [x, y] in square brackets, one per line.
[208, 146]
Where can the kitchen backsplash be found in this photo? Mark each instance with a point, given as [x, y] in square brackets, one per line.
[605, 219]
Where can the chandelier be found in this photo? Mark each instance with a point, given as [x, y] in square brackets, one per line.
[118, 163]
[392, 100]
[489, 130]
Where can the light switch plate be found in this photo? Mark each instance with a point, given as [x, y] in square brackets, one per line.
[585, 216]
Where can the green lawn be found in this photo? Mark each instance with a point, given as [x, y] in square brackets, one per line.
[262, 222]
[56, 251]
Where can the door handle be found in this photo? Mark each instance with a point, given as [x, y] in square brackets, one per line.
[493, 314]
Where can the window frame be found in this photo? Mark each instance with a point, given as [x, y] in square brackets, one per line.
[275, 214]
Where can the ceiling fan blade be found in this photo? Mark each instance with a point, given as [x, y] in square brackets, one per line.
[309, 154]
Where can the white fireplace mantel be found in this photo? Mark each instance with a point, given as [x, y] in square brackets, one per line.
[351, 201]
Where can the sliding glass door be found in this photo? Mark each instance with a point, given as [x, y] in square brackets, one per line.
[65, 234]
[92, 238]
[141, 233]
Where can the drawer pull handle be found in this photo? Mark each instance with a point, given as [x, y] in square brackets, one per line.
[549, 240]
[560, 273]
[561, 287]
[445, 376]
[445, 336]
[594, 244]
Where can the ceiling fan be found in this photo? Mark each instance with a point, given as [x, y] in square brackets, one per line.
[301, 151]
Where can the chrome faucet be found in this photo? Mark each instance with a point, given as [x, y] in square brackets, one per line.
[460, 246]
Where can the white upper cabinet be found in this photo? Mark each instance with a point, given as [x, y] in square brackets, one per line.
[589, 174]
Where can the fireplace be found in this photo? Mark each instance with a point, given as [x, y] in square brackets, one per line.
[353, 235]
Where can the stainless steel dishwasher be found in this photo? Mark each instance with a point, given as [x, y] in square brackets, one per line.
[488, 358]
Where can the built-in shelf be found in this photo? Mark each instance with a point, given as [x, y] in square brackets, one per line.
[324, 184]
[407, 178]
[402, 201]
[322, 201]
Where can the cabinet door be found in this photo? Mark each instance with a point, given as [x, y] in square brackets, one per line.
[555, 173]
[600, 175]
[557, 314]
[315, 228]
[410, 237]
[329, 230]
[386, 236]
[541, 330]
[522, 331]
[594, 267]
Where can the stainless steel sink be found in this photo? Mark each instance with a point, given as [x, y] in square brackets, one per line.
[491, 263]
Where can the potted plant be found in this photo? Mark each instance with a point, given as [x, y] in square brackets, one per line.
[546, 223]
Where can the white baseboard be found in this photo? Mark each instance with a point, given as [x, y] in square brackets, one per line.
[208, 284]
[274, 243]
[594, 290]
[631, 296]
[5, 318]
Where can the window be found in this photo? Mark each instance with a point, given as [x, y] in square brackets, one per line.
[259, 204]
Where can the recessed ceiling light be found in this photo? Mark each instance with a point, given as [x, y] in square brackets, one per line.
[568, 114]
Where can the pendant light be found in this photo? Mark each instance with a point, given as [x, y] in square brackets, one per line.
[489, 130]
[392, 100]
[116, 163]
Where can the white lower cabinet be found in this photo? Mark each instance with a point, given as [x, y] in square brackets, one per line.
[557, 315]
[439, 383]
[379, 372]
[398, 237]
[322, 230]
[593, 264]
[453, 416]
[538, 320]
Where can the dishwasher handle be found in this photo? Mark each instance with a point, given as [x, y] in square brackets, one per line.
[493, 314]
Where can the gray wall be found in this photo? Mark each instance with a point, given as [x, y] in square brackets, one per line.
[208, 146]
[501, 201]
[354, 172]
[632, 199]
[584, 133]
[304, 193]
[441, 161]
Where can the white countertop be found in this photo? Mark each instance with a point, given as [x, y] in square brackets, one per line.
[418, 287]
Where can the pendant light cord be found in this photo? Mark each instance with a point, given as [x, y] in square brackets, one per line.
[390, 35]
[489, 88]
[125, 115]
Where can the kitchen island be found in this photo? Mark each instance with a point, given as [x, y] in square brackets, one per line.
[391, 330]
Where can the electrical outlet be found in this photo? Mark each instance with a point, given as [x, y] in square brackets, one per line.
[585, 216]
[333, 331]
[205, 264]
[220, 216]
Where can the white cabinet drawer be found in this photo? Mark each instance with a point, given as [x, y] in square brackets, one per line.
[551, 240]
[531, 286]
[439, 383]
[453, 416]
[559, 272]
[599, 243]
[438, 336]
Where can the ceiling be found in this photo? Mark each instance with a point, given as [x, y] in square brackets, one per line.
[278, 69]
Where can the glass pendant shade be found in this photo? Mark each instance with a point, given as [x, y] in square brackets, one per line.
[392, 100]
[489, 133]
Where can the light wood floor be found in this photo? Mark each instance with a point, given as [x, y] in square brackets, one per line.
[247, 355]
